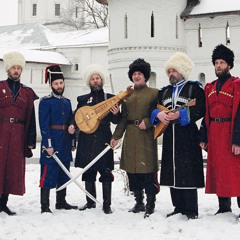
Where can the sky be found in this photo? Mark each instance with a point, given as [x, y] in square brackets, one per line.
[8, 12]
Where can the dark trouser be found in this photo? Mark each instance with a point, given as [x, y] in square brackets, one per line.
[147, 181]
[91, 174]
[185, 201]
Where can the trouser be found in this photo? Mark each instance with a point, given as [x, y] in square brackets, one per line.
[147, 181]
[91, 175]
[185, 200]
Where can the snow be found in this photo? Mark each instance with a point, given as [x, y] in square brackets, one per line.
[211, 6]
[29, 223]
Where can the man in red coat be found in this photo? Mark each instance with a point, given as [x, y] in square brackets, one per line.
[17, 129]
[222, 138]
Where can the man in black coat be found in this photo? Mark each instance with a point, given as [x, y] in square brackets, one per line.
[90, 145]
[182, 165]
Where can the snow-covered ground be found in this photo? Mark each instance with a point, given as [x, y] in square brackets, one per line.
[30, 224]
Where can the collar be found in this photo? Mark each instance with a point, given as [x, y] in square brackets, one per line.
[180, 84]
[57, 96]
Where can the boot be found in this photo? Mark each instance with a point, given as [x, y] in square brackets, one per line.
[45, 193]
[150, 205]
[224, 205]
[91, 188]
[107, 191]
[139, 206]
[61, 203]
[3, 205]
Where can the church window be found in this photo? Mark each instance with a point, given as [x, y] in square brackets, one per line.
[176, 26]
[199, 36]
[227, 34]
[34, 9]
[57, 9]
[76, 67]
[76, 12]
[125, 26]
[202, 79]
[152, 25]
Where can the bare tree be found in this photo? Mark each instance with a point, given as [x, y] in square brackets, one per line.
[84, 14]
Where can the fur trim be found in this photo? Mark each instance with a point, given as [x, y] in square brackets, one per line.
[141, 66]
[181, 63]
[13, 58]
[222, 52]
[93, 69]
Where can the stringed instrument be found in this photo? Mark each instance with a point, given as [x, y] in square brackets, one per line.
[161, 127]
[88, 118]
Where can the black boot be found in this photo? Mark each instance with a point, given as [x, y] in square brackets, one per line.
[61, 202]
[107, 192]
[150, 205]
[91, 188]
[3, 205]
[45, 193]
[224, 205]
[139, 206]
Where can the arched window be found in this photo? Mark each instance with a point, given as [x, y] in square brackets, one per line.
[202, 78]
[176, 26]
[199, 36]
[227, 34]
[152, 25]
[152, 80]
[76, 67]
[125, 26]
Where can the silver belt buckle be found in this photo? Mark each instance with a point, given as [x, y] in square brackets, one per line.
[136, 123]
[217, 120]
[11, 120]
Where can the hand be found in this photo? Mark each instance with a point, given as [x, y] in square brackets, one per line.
[73, 149]
[113, 143]
[30, 147]
[50, 151]
[173, 115]
[203, 145]
[235, 149]
[163, 117]
[115, 109]
[71, 129]
[142, 125]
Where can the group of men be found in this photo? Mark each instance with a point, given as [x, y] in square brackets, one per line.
[182, 163]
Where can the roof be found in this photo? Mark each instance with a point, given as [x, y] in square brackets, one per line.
[214, 7]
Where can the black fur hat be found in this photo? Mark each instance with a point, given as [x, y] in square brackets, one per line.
[141, 66]
[222, 52]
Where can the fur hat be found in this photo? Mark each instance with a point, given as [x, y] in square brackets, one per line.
[141, 66]
[181, 63]
[222, 52]
[13, 58]
[52, 73]
[91, 70]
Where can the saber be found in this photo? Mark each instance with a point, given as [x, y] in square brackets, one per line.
[55, 157]
[85, 168]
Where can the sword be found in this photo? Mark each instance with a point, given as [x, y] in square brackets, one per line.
[55, 157]
[89, 165]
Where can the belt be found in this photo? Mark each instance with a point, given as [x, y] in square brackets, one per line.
[59, 127]
[134, 122]
[11, 120]
[220, 119]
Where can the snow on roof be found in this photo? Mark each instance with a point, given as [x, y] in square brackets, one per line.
[38, 56]
[216, 6]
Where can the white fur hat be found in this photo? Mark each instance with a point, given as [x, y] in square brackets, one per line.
[13, 58]
[93, 69]
[181, 63]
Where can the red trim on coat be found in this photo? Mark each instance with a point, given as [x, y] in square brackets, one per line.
[43, 176]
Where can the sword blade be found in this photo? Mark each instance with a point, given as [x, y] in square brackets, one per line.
[85, 168]
[70, 176]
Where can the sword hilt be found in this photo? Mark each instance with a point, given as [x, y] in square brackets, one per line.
[45, 149]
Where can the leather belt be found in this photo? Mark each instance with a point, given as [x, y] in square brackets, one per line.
[11, 120]
[220, 119]
[134, 122]
[59, 127]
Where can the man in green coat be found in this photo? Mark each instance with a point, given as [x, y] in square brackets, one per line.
[139, 151]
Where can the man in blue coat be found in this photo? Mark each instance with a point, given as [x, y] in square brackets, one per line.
[55, 113]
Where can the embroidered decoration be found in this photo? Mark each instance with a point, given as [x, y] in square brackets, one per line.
[224, 93]
[90, 100]
[4, 91]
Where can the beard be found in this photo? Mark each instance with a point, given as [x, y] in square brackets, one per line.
[222, 73]
[14, 76]
[174, 80]
[58, 91]
[96, 88]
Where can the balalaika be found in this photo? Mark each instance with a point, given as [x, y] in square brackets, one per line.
[88, 118]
